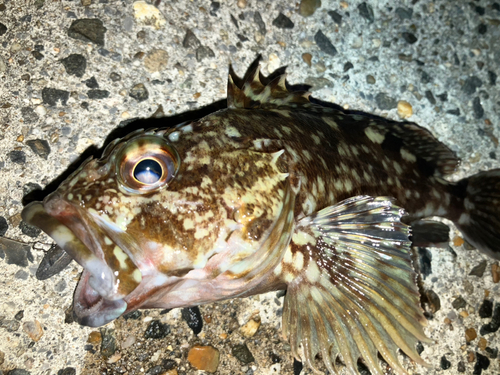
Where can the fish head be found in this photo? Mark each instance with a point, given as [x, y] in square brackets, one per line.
[170, 218]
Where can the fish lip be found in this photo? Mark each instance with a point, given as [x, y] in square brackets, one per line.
[95, 302]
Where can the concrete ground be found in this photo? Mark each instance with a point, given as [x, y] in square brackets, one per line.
[66, 83]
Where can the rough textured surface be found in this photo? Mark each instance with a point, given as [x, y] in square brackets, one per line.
[441, 57]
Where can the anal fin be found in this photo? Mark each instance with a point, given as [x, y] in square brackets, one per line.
[351, 287]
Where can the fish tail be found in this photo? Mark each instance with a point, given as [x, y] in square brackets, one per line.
[478, 216]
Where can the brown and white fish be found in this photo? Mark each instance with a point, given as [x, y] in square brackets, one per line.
[274, 192]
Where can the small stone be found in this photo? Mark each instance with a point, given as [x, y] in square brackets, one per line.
[444, 363]
[128, 342]
[133, 315]
[88, 30]
[482, 29]
[454, 112]
[366, 12]
[29, 115]
[67, 371]
[307, 57]
[18, 371]
[494, 324]
[410, 38]
[60, 286]
[156, 60]
[336, 17]
[482, 363]
[86, 3]
[40, 147]
[139, 92]
[348, 66]
[434, 301]
[357, 42]
[478, 108]
[470, 334]
[385, 102]
[16, 252]
[461, 366]
[108, 343]
[257, 18]
[471, 84]
[430, 97]
[203, 52]
[53, 262]
[21, 275]
[482, 343]
[3, 29]
[486, 309]
[94, 337]
[492, 78]
[283, 22]
[190, 40]
[459, 303]
[242, 353]
[324, 43]
[115, 77]
[297, 367]
[3, 226]
[29, 230]
[148, 15]
[308, 7]
[51, 96]
[192, 317]
[33, 329]
[493, 352]
[250, 328]
[495, 268]
[19, 316]
[97, 94]
[405, 109]
[242, 4]
[157, 330]
[479, 269]
[205, 358]
[75, 64]
[17, 156]
[214, 8]
[404, 13]
[91, 83]
[370, 79]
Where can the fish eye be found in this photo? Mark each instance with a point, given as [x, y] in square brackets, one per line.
[146, 163]
[148, 171]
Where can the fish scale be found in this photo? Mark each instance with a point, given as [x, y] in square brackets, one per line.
[275, 192]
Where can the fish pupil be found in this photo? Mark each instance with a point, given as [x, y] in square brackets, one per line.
[148, 171]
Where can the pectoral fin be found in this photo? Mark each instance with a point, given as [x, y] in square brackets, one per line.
[351, 287]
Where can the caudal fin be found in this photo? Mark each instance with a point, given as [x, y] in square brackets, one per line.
[479, 220]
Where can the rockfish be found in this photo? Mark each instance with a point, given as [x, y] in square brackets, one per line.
[275, 192]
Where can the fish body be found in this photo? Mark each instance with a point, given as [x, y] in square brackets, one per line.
[274, 192]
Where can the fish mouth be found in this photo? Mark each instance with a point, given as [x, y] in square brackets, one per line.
[100, 295]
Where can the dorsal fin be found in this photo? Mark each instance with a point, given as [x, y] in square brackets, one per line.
[254, 91]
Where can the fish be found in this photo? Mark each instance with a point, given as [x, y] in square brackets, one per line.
[278, 191]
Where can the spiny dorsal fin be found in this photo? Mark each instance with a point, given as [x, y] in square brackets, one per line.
[253, 91]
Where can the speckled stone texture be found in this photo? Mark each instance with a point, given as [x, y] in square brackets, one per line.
[73, 71]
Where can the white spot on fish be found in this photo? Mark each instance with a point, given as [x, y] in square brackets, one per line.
[312, 272]
[408, 156]
[188, 224]
[298, 261]
[302, 238]
[121, 257]
[464, 219]
[174, 136]
[374, 135]
[232, 132]
[316, 139]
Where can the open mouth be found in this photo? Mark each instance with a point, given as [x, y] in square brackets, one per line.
[109, 274]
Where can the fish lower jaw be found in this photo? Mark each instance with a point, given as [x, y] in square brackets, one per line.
[91, 308]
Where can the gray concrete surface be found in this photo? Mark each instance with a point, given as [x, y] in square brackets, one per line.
[442, 57]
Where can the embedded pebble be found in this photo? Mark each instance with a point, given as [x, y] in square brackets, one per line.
[257, 18]
[242, 353]
[148, 15]
[157, 330]
[336, 17]
[91, 83]
[190, 40]
[404, 13]
[459, 303]
[366, 12]
[75, 64]
[495, 270]
[444, 363]
[41, 110]
[203, 52]
[40, 147]
[108, 343]
[115, 77]
[16, 252]
[52, 96]
[471, 84]
[192, 317]
[405, 109]
[33, 329]
[3, 29]
[10, 325]
[67, 371]
[307, 57]
[3, 228]
[410, 38]
[251, 327]
[494, 324]
[139, 92]
[477, 108]
[324, 43]
[308, 7]
[97, 94]
[357, 42]
[479, 269]
[482, 363]
[88, 30]
[470, 334]
[385, 102]
[156, 60]
[283, 22]
[128, 342]
[486, 309]
[205, 358]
